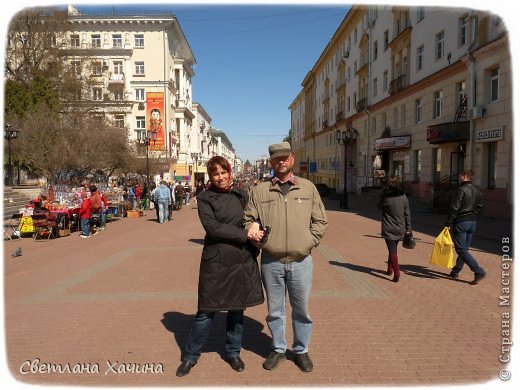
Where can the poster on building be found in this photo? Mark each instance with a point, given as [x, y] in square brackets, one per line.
[155, 117]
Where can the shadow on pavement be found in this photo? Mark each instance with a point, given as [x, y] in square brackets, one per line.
[254, 339]
[361, 268]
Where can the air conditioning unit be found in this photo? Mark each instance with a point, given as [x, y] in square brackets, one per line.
[140, 106]
[478, 112]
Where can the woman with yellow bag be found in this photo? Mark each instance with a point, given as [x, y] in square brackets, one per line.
[395, 222]
[465, 207]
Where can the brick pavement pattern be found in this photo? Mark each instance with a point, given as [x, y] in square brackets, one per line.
[126, 299]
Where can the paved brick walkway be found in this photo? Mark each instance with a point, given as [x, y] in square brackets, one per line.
[125, 299]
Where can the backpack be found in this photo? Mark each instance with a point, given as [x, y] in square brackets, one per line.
[95, 201]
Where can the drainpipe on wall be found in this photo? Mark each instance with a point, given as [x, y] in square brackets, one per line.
[371, 23]
[472, 87]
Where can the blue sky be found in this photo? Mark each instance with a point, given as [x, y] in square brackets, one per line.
[251, 61]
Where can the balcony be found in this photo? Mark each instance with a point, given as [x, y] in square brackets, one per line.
[362, 105]
[325, 124]
[116, 78]
[397, 85]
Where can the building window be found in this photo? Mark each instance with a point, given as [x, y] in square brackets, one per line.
[385, 46]
[494, 85]
[374, 87]
[97, 94]
[74, 40]
[396, 117]
[403, 115]
[95, 40]
[374, 123]
[439, 45]
[119, 120]
[117, 40]
[75, 68]
[119, 94]
[375, 51]
[348, 104]
[461, 90]
[96, 69]
[436, 164]
[437, 104]
[139, 40]
[463, 30]
[420, 13]
[492, 165]
[418, 111]
[355, 35]
[417, 165]
[420, 57]
[139, 94]
[385, 81]
[118, 67]
[140, 122]
[139, 68]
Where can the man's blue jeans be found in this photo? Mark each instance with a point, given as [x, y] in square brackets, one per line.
[163, 210]
[296, 279]
[200, 330]
[462, 235]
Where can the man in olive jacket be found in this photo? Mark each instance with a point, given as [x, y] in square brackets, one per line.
[292, 208]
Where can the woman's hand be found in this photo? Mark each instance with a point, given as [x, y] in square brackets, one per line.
[254, 233]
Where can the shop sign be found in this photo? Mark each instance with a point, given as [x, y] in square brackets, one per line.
[390, 143]
[313, 167]
[489, 135]
[182, 178]
[448, 132]
[303, 166]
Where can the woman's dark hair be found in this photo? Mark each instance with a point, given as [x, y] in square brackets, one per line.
[218, 160]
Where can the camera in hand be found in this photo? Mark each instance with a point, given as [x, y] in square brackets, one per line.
[267, 230]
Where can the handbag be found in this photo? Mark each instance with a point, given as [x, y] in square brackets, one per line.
[408, 241]
[442, 254]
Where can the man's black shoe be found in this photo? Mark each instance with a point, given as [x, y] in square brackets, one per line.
[184, 368]
[478, 278]
[236, 363]
[303, 361]
[454, 275]
[273, 359]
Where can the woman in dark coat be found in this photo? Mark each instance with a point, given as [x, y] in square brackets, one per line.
[395, 223]
[229, 278]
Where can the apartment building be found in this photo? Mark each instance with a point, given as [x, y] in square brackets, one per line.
[143, 67]
[428, 93]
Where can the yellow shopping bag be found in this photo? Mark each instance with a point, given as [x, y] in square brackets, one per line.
[443, 250]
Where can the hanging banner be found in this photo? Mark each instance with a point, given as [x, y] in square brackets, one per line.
[155, 115]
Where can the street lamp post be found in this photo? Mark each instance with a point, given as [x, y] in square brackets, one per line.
[345, 138]
[145, 137]
[9, 135]
[195, 156]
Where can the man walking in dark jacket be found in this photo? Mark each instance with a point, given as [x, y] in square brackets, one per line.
[465, 207]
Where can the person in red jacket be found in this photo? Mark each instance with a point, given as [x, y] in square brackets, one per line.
[84, 214]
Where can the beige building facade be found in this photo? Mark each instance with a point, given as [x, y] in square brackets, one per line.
[401, 79]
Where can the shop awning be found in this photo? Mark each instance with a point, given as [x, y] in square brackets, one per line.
[392, 143]
[448, 132]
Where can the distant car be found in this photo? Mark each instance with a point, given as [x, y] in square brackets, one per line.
[323, 189]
